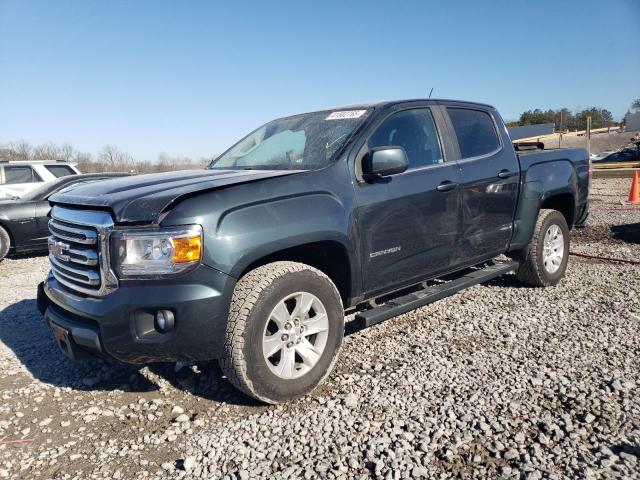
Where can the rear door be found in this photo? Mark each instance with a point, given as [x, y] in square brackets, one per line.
[408, 223]
[19, 179]
[489, 176]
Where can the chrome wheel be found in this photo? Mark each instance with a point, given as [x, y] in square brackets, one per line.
[553, 249]
[295, 335]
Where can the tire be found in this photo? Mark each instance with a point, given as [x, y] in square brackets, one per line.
[5, 243]
[533, 270]
[257, 314]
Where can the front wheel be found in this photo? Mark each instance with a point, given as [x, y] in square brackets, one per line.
[284, 331]
[544, 261]
[5, 243]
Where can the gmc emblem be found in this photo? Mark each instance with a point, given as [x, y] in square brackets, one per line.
[59, 250]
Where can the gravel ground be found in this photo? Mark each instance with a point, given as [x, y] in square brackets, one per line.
[497, 381]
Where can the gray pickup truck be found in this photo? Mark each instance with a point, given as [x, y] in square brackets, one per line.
[373, 209]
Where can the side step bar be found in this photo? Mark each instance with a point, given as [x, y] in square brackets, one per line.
[406, 303]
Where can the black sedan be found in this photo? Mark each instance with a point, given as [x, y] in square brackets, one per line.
[625, 155]
[24, 221]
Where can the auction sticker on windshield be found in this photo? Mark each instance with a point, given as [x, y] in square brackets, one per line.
[345, 114]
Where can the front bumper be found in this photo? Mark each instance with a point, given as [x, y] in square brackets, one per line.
[120, 325]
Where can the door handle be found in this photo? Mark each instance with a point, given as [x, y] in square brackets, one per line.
[446, 186]
[505, 174]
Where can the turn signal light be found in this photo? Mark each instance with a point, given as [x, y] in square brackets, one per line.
[187, 249]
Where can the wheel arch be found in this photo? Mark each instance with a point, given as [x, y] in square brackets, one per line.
[329, 256]
[563, 202]
[12, 242]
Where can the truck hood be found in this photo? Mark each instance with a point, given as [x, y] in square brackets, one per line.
[142, 198]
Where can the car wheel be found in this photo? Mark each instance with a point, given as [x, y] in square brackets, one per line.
[5, 243]
[284, 331]
[544, 262]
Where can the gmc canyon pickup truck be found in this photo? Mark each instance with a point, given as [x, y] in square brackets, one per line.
[374, 209]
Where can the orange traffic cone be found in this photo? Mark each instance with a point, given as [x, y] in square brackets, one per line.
[634, 194]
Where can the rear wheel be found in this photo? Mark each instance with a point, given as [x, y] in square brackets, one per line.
[544, 262]
[5, 243]
[284, 331]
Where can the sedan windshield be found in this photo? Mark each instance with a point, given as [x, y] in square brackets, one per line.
[302, 142]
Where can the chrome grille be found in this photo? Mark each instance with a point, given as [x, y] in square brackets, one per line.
[79, 250]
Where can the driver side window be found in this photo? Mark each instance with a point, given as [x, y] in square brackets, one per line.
[415, 131]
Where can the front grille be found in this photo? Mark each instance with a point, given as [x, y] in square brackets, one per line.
[79, 250]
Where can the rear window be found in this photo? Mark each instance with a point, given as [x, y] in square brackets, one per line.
[475, 131]
[15, 174]
[60, 170]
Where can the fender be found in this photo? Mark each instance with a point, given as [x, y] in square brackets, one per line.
[541, 181]
[248, 222]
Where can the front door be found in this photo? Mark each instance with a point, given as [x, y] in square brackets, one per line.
[489, 173]
[42, 219]
[408, 223]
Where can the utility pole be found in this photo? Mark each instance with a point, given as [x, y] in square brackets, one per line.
[589, 135]
[560, 137]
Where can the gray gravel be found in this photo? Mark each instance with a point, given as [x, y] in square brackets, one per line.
[500, 381]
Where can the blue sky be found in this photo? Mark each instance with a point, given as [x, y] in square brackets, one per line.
[189, 78]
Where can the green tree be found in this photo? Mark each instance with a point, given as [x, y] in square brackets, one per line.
[636, 105]
[600, 118]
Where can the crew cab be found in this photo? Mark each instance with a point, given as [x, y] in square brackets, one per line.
[376, 209]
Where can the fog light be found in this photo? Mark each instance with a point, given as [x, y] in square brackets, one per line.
[165, 321]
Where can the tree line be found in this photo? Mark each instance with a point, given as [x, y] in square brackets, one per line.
[566, 120]
[109, 159]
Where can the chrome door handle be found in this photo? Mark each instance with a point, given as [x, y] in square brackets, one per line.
[446, 186]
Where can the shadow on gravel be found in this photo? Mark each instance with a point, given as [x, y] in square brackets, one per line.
[21, 255]
[206, 381]
[506, 281]
[22, 329]
[627, 232]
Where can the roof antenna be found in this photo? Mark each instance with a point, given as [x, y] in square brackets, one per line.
[430, 92]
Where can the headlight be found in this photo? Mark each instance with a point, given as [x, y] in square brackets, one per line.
[156, 252]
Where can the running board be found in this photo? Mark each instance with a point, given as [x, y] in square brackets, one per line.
[418, 299]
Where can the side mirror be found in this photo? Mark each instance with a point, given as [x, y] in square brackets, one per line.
[384, 161]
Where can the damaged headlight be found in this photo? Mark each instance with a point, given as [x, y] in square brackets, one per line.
[140, 253]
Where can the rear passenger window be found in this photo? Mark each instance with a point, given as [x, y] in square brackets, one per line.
[60, 170]
[18, 174]
[413, 130]
[475, 131]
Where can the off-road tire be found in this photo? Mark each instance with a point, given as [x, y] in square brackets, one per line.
[5, 243]
[254, 297]
[531, 270]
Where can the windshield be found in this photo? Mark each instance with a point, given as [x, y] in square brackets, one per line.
[301, 142]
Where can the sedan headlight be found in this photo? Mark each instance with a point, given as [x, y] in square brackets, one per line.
[143, 253]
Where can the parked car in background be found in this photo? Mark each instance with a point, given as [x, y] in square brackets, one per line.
[624, 155]
[19, 177]
[24, 221]
[256, 260]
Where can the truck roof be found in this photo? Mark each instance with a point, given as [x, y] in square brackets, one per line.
[390, 103]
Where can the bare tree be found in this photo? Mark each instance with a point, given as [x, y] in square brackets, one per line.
[46, 151]
[66, 152]
[22, 149]
[85, 162]
[116, 160]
